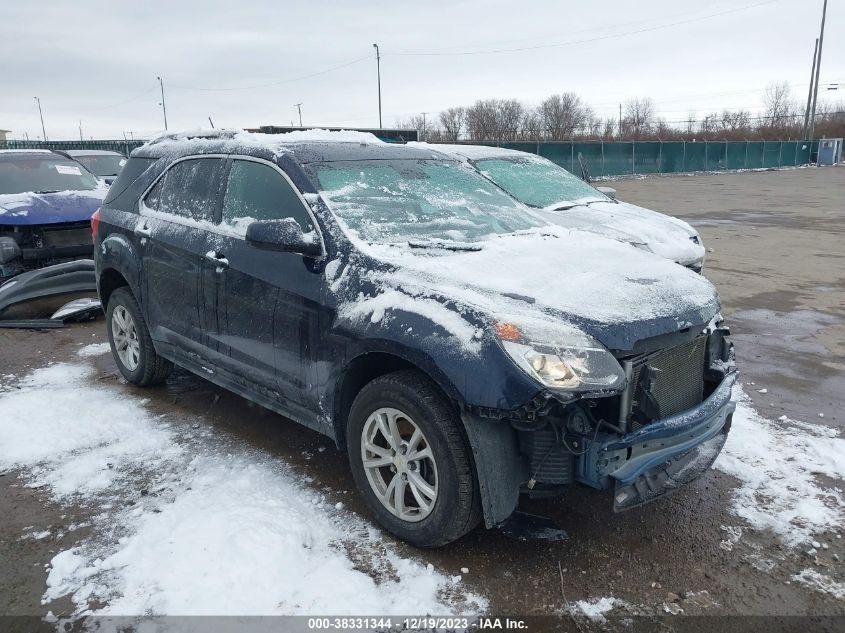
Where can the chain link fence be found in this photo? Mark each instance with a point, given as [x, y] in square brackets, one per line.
[618, 158]
[120, 146]
[668, 157]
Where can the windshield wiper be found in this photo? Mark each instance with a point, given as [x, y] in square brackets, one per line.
[48, 191]
[444, 245]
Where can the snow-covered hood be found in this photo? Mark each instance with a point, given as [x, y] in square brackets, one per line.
[662, 234]
[28, 209]
[616, 292]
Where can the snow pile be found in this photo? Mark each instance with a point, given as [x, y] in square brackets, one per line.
[596, 608]
[821, 583]
[94, 349]
[190, 525]
[777, 464]
[74, 438]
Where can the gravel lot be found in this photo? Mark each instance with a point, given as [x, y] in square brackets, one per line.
[775, 251]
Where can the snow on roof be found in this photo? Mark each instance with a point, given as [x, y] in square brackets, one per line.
[274, 142]
[472, 152]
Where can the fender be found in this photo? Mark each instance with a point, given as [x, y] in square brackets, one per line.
[118, 253]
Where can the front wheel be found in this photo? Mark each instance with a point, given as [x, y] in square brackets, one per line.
[131, 345]
[410, 460]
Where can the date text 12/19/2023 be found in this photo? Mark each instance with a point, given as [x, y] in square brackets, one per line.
[426, 623]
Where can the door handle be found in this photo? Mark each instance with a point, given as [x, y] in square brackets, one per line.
[218, 259]
[142, 229]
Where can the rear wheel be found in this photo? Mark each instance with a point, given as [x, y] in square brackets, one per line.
[131, 345]
[410, 460]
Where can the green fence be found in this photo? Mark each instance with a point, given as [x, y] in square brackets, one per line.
[123, 147]
[667, 157]
[603, 159]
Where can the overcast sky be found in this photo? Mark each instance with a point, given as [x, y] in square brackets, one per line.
[97, 61]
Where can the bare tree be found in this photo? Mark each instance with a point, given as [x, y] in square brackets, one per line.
[425, 125]
[452, 121]
[561, 115]
[778, 105]
[738, 122]
[639, 117]
[494, 119]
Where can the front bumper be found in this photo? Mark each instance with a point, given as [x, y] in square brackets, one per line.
[663, 455]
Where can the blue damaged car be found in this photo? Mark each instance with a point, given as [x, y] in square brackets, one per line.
[462, 350]
[46, 204]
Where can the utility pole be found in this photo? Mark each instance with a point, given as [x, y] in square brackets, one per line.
[818, 72]
[810, 91]
[299, 108]
[620, 120]
[378, 74]
[41, 114]
[80, 130]
[425, 128]
[162, 104]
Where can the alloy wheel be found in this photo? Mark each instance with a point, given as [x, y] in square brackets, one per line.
[399, 464]
[125, 336]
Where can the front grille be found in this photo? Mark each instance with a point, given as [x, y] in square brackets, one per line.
[677, 381]
[73, 235]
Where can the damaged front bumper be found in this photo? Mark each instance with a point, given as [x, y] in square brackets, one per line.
[69, 278]
[662, 456]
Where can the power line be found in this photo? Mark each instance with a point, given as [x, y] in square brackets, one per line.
[276, 83]
[535, 37]
[582, 41]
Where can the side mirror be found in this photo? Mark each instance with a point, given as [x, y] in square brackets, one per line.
[285, 236]
[610, 192]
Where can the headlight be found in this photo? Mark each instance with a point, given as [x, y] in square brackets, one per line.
[561, 357]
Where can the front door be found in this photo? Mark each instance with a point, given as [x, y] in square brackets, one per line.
[268, 300]
[175, 218]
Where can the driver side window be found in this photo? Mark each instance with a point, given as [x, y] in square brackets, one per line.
[256, 191]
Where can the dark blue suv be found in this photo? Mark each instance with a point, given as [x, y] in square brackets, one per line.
[461, 350]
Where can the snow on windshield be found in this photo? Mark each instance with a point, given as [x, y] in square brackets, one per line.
[417, 200]
[537, 182]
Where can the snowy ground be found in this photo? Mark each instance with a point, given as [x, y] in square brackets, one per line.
[187, 524]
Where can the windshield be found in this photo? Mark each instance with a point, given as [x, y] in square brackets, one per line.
[43, 173]
[538, 182]
[432, 201]
[102, 165]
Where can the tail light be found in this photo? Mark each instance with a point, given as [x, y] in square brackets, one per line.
[95, 225]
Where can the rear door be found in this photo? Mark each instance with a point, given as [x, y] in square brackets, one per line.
[267, 300]
[175, 220]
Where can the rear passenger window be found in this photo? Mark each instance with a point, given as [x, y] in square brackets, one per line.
[188, 189]
[255, 191]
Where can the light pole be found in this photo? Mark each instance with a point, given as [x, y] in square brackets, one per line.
[818, 71]
[41, 114]
[378, 74]
[299, 109]
[162, 104]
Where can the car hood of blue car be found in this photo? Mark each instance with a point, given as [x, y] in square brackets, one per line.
[32, 209]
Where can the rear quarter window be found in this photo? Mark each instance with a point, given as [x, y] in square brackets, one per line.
[129, 174]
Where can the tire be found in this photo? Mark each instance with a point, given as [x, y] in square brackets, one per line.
[149, 368]
[413, 402]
